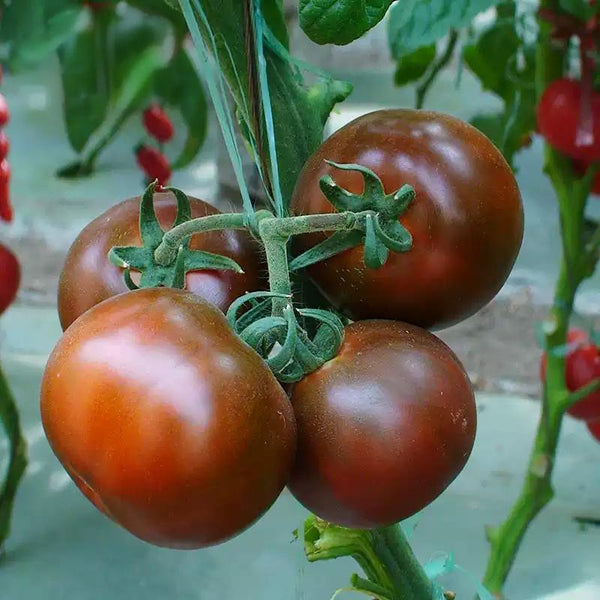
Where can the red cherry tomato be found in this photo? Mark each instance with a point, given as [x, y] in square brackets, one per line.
[6, 212]
[166, 420]
[466, 220]
[158, 124]
[4, 145]
[582, 366]
[558, 119]
[4, 112]
[154, 164]
[383, 428]
[88, 277]
[10, 277]
[594, 427]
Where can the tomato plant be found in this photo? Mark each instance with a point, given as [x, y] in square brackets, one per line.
[383, 428]
[559, 112]
[467, 204]
[88, 277]
[582, 366]
[151, 393]
[10, 277]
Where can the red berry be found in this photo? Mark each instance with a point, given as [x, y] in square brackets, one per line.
[10, 277]
[4, 112]
[558, 119]
[154, 164]
[582, 366]
[594, 428]
[4, 145]
[158, 124]
[6, 212]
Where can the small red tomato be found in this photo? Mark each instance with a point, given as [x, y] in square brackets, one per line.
[383, 428]
[10, 277]
[558, 119]
[4, 112]
[4, 145]
[582, 366]
[166, 420]
[594, 427]
[6, 212]
[158, 124]
[154, 164]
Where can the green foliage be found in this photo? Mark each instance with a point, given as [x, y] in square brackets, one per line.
[493, 59]
[417, 23]
[411, 67]
[340, 21]
[179, 85]
[582, 9]
[31, 30]
[273, 13]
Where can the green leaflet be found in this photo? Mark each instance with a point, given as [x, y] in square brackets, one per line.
[417, 23]
[411, 67]
[340, 21]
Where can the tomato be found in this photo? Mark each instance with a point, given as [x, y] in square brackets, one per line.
[10, 277]
[158, 124]
[88, 277]
[4, 111]
[166, 420]
[594, 428]
[6, 211]
[154, 164]
[558, 119]
[4, 145]
[466, 220]
[582, 366]
[383, 428]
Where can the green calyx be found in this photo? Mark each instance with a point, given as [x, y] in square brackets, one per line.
[142, 258]
[377, 228]
[282, 341]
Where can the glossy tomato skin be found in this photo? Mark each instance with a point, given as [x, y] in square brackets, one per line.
[165, 420]
[582, 365]
[466, 220]
[10, 277]
[383, 428]
[88, 277]
[558, 115]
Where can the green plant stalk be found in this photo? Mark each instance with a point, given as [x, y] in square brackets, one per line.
[384, 555]
[9, 417]
[572, 194]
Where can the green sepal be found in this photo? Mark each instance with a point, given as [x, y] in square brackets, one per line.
[334, 244]
[376, 253]
[141, 258]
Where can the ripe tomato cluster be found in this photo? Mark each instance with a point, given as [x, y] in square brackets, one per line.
[177, 429]
[582, 367]
[151, 160]
[6, 211]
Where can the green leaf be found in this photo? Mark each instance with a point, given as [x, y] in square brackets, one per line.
[36, 28]
[582, 9]
[160, 8]
[274, 16]
[340, 21]
[417, 23]
[413, 66]
[179, 85]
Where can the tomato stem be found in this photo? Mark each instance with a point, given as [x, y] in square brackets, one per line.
[9, 417]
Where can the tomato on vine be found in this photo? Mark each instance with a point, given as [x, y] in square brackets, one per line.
[4, 145]
[6, 211]
[154, 164]
[10, 277]
[383, 428]
[4, 111]
[558, 115]
[158, 124]
[88, 277]
[582, 366]
[166, 421]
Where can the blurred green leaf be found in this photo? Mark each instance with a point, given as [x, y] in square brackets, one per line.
[340, 21]
[413, 66]
[179, 85]
[273, 13]
[582, 9]
[417, 23]
[33, 29]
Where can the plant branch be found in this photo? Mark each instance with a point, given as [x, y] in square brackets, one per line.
[445, 58]
[582, 392]
[9, 417]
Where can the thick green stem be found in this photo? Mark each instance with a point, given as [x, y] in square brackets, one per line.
[384, 555]
[9, 417]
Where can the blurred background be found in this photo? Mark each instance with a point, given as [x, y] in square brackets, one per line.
[61, 548]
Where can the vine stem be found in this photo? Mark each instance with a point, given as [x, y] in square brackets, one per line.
[572, 195]
[17, 464]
